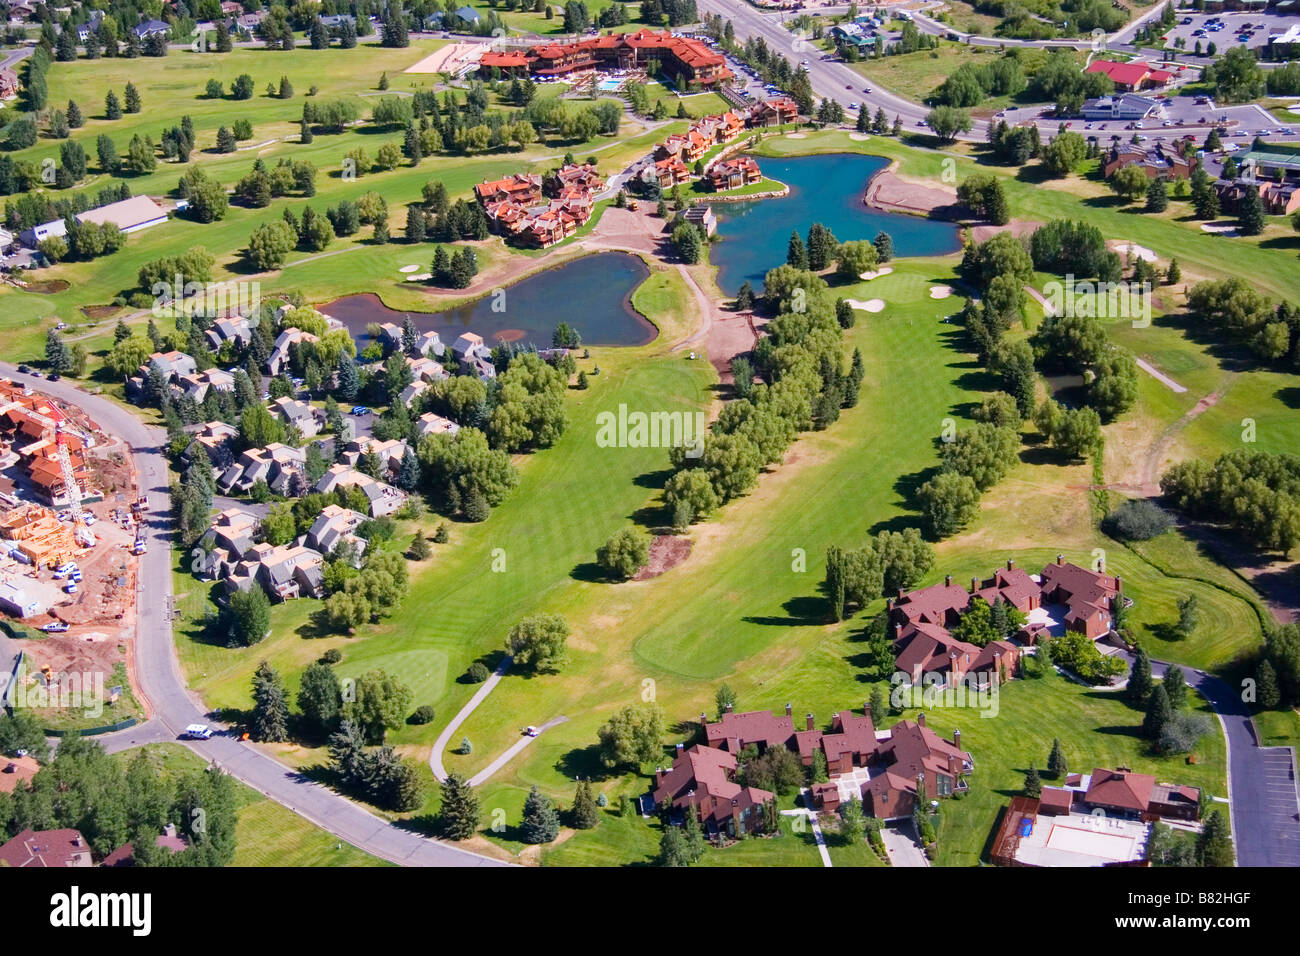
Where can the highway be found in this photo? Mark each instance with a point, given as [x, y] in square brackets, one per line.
[172, 706]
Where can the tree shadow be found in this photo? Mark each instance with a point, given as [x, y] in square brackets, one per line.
[802, 611]
[584, 763]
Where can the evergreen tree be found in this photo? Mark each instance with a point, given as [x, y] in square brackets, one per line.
[459, 814]
[1173, 274]
[1157, 196]
[76, 119]
[270, 706]
[1175, 685]
[1250, 214]
[1266, 690]
[1158, 714]
[884, 244]
[585, 814]
[112, 107]
[1214, 844]
[1056, 765]
[133, 104]
[1033, 783]
[1140, 680]
[541, 822]
[796, 254]
[415, 231]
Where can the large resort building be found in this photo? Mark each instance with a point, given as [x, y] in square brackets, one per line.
[677, 56]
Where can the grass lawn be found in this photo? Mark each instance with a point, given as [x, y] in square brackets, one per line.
[267, 834]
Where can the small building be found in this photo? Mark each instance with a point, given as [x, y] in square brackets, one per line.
[701, 216]
[16, 602]
[1125, 106]
[1132, 76]
[308, 419]
[129, 215]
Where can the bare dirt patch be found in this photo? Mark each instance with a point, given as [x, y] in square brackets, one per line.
[1017, 227]
[100, 311]
[889, 191]
[48, 286]
[729, 335]
[666, 551]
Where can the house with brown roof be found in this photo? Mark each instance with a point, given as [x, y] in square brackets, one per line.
[1123, 793]
[851, 742]
[758, 728]
[671, 172]
[702, 780]
[773, 112]
[734, 173]
[1088, 596]
[912, 754]
[46, 848]
[1155, 161]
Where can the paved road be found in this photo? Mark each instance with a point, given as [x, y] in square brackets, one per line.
[1262, 798]
[835, 79]
[170, 702]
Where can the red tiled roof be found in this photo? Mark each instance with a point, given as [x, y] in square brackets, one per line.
[1117, 788]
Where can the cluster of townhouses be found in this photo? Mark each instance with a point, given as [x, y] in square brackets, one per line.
[518, 208]
[675, 158]
[32, 430]
[1064, 597]
[885, 769]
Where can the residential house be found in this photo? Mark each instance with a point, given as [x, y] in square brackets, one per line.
[912, 754]
[671, 172]
[308, 419]
[288, 338]
[285, 572]
[234, 328]
[773, 112]
[757, 728]
[16, 771]
[150, 28]
[734, 173]
[702, 780]
[332, 527]
[431, 424]
[197, 386]
[281, 466]
[383, 498]
[702, 216]
[46, 848]
[1088, 596]
[1156, 161]
[168, 840]
[227, 542]
[850, 743]
[218, 439]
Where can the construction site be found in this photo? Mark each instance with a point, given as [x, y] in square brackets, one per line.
[70, 514]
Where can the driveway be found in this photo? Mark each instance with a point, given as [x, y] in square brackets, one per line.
[902, 846]
[169, 701]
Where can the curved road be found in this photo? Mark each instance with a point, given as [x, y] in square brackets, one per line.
[159, 679]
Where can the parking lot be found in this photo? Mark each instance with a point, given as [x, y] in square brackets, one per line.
[1176, 116]
[1201, 26]
[1276, 809]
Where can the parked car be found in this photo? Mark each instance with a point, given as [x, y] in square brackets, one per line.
[70, 587]
[196, 732]
[360, 410]
[24, 369]
[58, 627]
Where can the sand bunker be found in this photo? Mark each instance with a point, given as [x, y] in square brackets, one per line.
[420, 277]
[1133, 249]
[882, 271]
[858, 136]
[871, 305]
[1219, 229]
[408, 268]
[796, 135]
[449, 59]
[940, 291]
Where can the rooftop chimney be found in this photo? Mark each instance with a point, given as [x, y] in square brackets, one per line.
[956, 739]
[1011, 564]
[788, 710]
[1119, 583]
[809, 722]
[920, 718]
[974, 584]
[900, 594]
[1060, 559]
[898, 630]
[704, 718]
[947, 580]
[681, 747]
[728, 706]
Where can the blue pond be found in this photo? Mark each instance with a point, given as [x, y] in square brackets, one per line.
[826, 189]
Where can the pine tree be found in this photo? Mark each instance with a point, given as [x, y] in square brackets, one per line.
[1033, 783]
[415, 231]
[1175, 685]
[348, 379]
[541, 822]
[884, 244]
[132, 98]
[796, 255]
[1056, 765]
[1173, 274]
[1157, 196]
[1158, 714]
[1139, 681]
[1250, 214]
[459, 814]
[585, 814]
[898, 126]
[1214, 845]
[112, 107]
[270, 706]
[1266, 692]
[76, 119]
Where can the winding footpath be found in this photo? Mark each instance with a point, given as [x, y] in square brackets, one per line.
[172, 706]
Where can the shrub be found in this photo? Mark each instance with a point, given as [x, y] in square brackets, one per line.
[1137, 520]
[332, 656]
[477, 672]
[422, 715]
[1183, 732]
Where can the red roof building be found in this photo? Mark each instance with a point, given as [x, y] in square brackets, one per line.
[760, 728]
[46, 848]
[914, 753]
[702, 780]
[1132, 76]
[678, 56]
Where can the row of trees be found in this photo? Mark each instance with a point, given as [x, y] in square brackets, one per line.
[1255, 493]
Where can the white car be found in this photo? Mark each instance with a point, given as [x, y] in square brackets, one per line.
[197, 732]
[58, 627]
[531, 731]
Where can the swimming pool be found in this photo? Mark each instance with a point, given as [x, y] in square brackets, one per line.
[609, 85]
